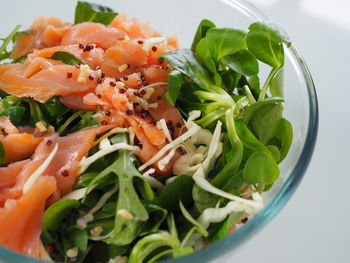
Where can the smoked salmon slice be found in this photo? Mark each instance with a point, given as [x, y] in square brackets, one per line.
[21, 220]
[44, 32]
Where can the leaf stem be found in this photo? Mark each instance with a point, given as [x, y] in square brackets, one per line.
[68, 121]
[272, 74]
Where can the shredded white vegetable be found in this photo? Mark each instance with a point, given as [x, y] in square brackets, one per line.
[105, 148]
[75, 195]
[111, 132]
[31, 180]
[162, 125]
[151, 180]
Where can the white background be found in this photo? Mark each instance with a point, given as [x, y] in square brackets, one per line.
[315, 225]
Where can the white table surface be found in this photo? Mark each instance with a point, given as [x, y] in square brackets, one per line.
[314, 226]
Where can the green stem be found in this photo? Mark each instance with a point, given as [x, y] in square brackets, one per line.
[9, 39]
[69, 121]
[272, 74]
[249, 95]
[211, 117]
[221, 99]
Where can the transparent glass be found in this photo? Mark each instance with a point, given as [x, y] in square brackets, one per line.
[301, 108]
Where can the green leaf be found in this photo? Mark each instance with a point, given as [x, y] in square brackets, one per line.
[203, 199]
[194, 222]
[276, 84]
[175, 81]
[266, 121]
[157, 216]
[66, 58]
[57, 212]
[86, 121]
[250, 142]
[224, 41]
[2, 154]
[285, 135]
[243, 62]
[55, 107]
[261, 168]
[73, 237]
[253, 109]
[202, 29]
[89, 12]
[15, 113]
[178, 190]
[221, 230]
[102, 252]
[265, 41]
[4, 53]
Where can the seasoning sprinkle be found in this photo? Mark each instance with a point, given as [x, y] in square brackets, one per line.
[142, 92]
[107, 113]
[91, 77]
[112, 84]
[178, 125]
[104, 122]
[125, 78]
[154, 48]
[159, 97]
[49, 142]
[99, 80]
[81, 46]
[69, 75]
[244, 220]
[65, 173]
[122, 91]
[103, 75]
[140, 42]
[99, 96]
[77, 65]
[129, 112]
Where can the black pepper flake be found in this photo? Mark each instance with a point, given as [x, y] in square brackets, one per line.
[69, 75]
[154, 48]
[49, 142]
[135, 104]
[99, 96]
[65, 173]
[77, 65]
[159, 97]
[125, 78]
[144, 114]
[117, 79]
[129, 112]
[140, 42]
[122, 91]
[107, 113]
[137, 94]
[99, 80]
[244, 220]
[81, 46]
[142, 92]
[113, 84]
[88, 48]
[104, 122]
[91, 77]
[178, 125]
[142, 77]
[103, 75]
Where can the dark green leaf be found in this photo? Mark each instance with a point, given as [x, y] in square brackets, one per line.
[15, 113]
[243, 62]
[89, 12]
[2, 154]
[57, 212]
[102, 252]
[86, 121]
[66, 58]
[157, 216]
[265, 41]
[203, 199]
[261, 168]
[55, 107]
[73, 237]
[194, 222]
[175, 82]
[202, 29]
[178, 190]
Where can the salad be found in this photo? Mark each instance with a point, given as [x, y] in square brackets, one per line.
[118, 146]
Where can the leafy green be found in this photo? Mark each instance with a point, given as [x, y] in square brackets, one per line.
[202, 29]
[66, 58]
[261, 169]
[2, 154]
[265, 41]
[125, 230]
[175, 81]
[190, 219]
[89, 12]
[4, 53]
[74, 237]
[203, 199]
[178, 190]
[284, 135]
[243, 62]
[55, 107]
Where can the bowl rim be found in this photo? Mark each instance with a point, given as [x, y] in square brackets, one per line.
[254, 225]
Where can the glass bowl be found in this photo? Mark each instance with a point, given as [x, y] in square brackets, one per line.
[300, 106]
